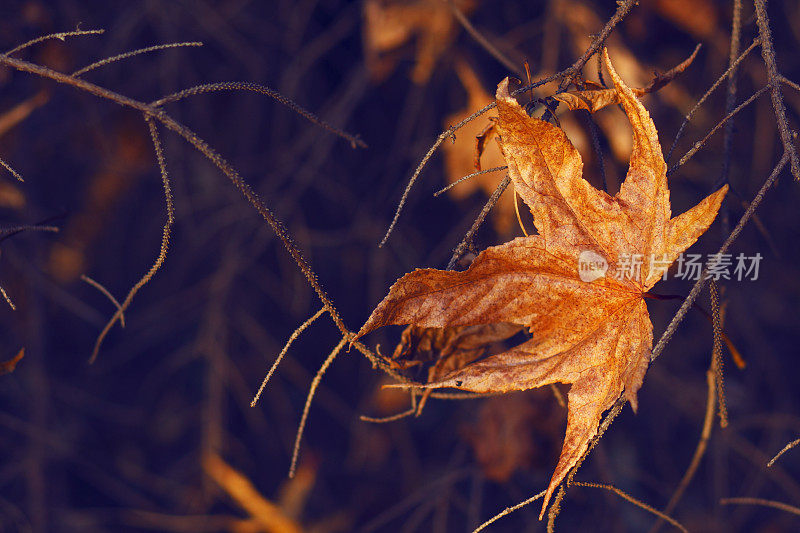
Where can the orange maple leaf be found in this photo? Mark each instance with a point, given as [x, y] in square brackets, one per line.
[593, 332]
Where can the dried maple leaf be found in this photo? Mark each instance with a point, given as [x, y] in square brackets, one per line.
[595, 335]
[514, 431]
[472, 150]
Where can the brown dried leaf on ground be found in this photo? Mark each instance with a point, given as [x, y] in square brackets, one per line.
[6, 367]
[390, 24]
[593, 332]
[514, 431]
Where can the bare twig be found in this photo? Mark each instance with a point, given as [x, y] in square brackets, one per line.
[14, 116]
[730, 99]
[784, 450]
[483, 41]
[61, 36]
[717, 364]
[311, 391]
[212, 155]
[508, 511]
[7, 298]
[404, 414]
[165, 236]
[699, 451]
[354, 140]
[728, 74]
[296, 333]
[105, 292]
[595, 133]
[638, 503]
[774, 78]
[132, 53]
[699, 144]
[468, 176]
[464, 244]
[11, 170]
[28, 227]
[698, 286]
[759, 501]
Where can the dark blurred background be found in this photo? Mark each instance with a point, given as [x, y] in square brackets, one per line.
[118, 445]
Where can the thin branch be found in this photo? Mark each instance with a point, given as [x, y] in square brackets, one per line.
[38, 226]
[698, 286]
[483, 41]
[391, 418]
[439, 140]
[312, 390]
[11, 170]
[354, 140]
[730, 99]
[699, 451]
[699, 144]
[508, 511]
[105, 292]
[759, 501]
[555, 508]
[468, 176]
[28, 227]
[7, 298]
[638, 503]
[132, 53]
[784, 450]
[595, 133]
[728, 74]
[790, 83]
[165, 236]
[404, 414]
[464, 244]
[717, 364]
[774, 77]
[214, 157]
[296, 333]
[61, 36]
